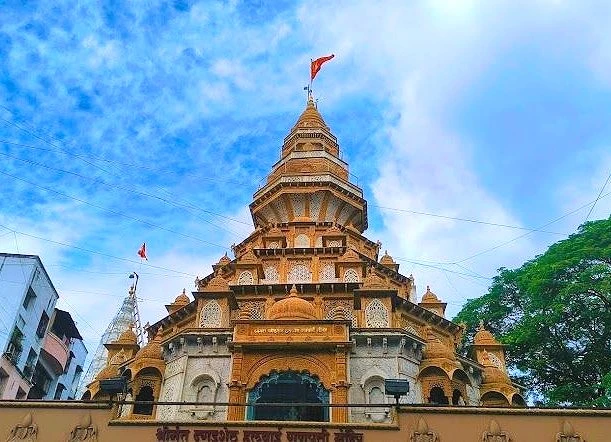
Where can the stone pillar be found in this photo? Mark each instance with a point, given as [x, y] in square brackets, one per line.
[236, 387]
[340, 393]
[236, 395]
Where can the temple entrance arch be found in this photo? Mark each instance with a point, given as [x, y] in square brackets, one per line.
[289, 387]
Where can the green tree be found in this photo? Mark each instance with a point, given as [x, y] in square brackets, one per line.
[554, 315]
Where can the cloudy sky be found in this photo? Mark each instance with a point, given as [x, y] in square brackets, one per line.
[123, 122]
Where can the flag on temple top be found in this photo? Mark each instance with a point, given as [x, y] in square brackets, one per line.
[317, 64]
[142, 252]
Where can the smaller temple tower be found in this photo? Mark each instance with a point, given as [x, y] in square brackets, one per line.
[497, 388]
[127, 316]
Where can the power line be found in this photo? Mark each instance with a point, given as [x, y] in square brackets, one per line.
[124, 164]
[114, 212]
[57, 148]
[468, 220]
[527, 233]
[127, 189]
[597, 197]
[131, 261]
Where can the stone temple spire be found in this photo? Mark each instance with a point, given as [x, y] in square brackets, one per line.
[310, 181]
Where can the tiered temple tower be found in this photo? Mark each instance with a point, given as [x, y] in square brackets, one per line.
[305, 311]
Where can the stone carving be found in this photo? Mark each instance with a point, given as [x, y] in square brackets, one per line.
[422, 433]
[246, 278]
[302, 240]
[334, 243]
[26, 430]
[299, 272]
[327, 273]
[211, 315]
[494, 433]
[255, 309]
[567, 434]
[271, 274]
[298, 203]
[350, 275]
[376, 314]
[84, 431]
[315, 204]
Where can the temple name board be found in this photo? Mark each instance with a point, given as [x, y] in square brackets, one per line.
[228, 435]
[257, 333]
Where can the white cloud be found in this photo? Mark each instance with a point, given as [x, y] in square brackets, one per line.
[422, 58]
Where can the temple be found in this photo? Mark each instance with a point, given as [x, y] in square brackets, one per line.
[307, 311]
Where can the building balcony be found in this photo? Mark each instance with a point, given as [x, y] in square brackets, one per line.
[55, 353]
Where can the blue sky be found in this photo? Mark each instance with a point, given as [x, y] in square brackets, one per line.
[124, 122]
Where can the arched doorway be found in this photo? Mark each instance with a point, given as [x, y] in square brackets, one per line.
[289, 387]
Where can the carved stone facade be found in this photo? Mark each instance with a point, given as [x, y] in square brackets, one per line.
[307, 304]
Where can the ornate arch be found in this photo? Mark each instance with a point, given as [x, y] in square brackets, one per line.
[311, 364]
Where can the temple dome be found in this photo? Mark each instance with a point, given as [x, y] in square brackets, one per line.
[484, 337]
[310, 118]
[182, 299]
[152, 350]
[292, 307]
[216, 284]
[127, 337]
[387, 260]
[224, 260]
[493, 374]
[430, 297]
[110, 371]
[435, 349]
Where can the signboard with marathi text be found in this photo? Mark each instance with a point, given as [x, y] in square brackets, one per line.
[167, 434]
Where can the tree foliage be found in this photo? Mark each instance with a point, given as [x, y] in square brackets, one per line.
[554, 315]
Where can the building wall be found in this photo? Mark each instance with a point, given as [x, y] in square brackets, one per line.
[19, 274]
[197, 372]
[52, 421]
[376, 357]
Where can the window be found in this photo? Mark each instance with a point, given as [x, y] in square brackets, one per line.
[245, 278]
[28, 369]
[42, 325]
[300, 272]
[78, 371]
[376, 314]
[58, 391]
[15, 346]
[3, 380]
[351, 275]
[29, 297]
[68, 362]
[302, 240]
[327, 273]
[145, 394]
[211, 315]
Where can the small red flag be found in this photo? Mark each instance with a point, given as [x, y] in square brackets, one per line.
[142, 252]
[317, 64]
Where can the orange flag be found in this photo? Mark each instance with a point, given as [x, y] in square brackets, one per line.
[142, 252]
[317, 64]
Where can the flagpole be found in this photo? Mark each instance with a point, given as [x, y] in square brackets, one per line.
[311, 79]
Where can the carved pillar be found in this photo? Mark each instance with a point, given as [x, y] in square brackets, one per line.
[340, 394]
[236, 387]
[236, 395]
